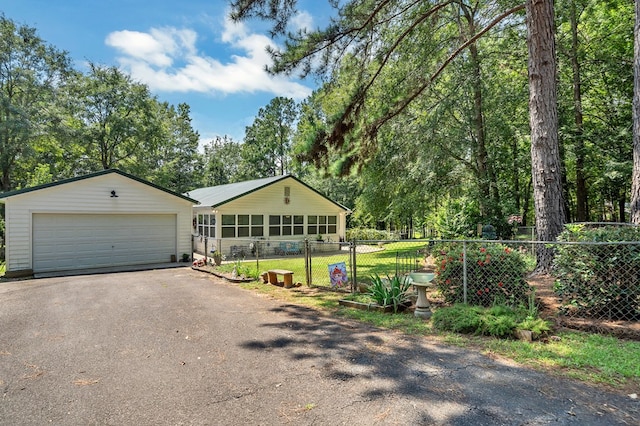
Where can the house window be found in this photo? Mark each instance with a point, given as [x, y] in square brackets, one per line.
[207, 225]
[228, 226]
[322, 225]
[332, 227]
[286, 225]
[274, 226]
[298, 225]
[242, 225]
[257, 222]
[312, 225]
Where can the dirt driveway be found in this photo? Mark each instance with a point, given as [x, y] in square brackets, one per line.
[176, 347]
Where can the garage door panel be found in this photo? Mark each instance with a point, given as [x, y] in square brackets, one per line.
[81, 241]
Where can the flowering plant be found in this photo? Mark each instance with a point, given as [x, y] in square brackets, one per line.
[495, 274]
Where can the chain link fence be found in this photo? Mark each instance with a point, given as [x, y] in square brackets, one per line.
[590, 282]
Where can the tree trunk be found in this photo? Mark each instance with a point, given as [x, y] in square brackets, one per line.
[582, 213]
[635, 179]
[543, 116]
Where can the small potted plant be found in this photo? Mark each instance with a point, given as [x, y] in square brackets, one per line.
[217, 257]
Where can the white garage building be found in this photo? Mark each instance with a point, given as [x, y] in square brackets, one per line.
[105, 219]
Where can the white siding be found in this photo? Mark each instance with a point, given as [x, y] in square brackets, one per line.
[91, 195]
[271, 201]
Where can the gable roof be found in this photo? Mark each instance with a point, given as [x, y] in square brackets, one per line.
[92, 175]
[216, 196]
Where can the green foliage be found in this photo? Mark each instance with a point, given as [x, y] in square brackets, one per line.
[29, 103]
[496, 321]
[367, 234]
[267, 144]
[495, 274]
[458, 318]
[222, 161]
[392, 291]
[537, 326]
[454, 219]
[599, 280]
[241, 268]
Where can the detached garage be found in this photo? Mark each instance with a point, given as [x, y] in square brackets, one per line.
[105, 219]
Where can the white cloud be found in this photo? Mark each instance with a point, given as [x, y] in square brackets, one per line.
[302, 21]
[166, 59]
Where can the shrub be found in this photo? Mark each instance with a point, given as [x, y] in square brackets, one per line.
[497, 321]
[599, 281]
[495, 275]
[392, 291]
[367, 234]
[455, 218]
[457, 318]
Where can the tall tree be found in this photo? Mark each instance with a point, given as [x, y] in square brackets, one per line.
[267, 142]
[543, 114]
[376, 34]
[113, 116]
[175, 162]
[30, 73]
[635, 182]
[222, 160]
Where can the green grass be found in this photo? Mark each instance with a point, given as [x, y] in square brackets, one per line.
[587, 357]
[380, 262]
[3, 267]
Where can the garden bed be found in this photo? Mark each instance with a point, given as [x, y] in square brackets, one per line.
[223, 275]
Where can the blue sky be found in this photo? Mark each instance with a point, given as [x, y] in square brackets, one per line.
[185, 51]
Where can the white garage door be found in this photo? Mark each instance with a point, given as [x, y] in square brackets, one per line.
[64, 242]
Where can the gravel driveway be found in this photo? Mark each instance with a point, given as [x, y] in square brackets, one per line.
[177, 347]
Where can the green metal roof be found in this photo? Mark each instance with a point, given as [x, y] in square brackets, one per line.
[216, 196]
[91, 175]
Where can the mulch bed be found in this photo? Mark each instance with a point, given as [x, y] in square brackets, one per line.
[549, 306]
[224, 275]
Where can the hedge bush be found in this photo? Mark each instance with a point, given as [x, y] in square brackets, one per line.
[495, 275]
[367, 234]
[599, 281]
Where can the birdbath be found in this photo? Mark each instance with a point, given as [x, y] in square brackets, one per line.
[422, 280]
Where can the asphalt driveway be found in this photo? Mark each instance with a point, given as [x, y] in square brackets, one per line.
[177, 347]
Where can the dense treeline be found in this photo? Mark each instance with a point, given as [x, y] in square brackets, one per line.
[457, 154]
[430, 104]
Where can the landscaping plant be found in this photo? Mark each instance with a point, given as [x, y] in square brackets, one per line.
[599, 280]
[390, 292]
[495, 274]
[497, 321]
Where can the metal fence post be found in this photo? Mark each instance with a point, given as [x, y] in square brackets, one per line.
[464, 270]
[307, 262]
[256, 249]
[205, 250]
[353, 260]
